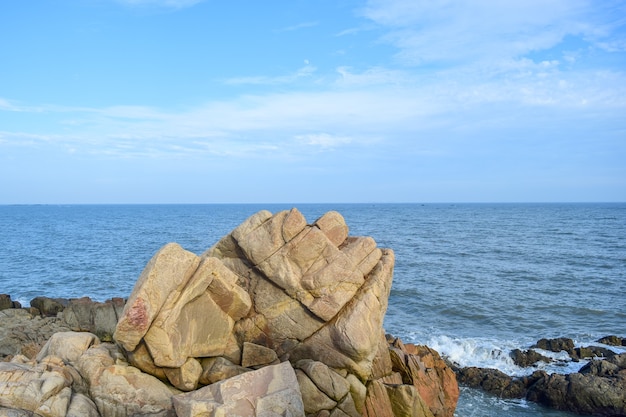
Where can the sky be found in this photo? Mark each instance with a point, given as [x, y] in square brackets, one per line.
[312, 101]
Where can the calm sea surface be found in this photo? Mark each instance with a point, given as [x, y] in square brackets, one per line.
[471, 280]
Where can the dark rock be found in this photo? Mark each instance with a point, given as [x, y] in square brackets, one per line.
[85, 315]
[49, 307]
[525, 358]
[592, 352]
[556, 345]
[598, 389]
[613, 341]
[609, 367]
[493, 381]
[5, 301]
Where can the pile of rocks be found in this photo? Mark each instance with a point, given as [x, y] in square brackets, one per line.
[280, 317]
[598, 388]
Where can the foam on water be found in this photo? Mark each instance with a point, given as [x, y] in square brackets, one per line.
[495, 354]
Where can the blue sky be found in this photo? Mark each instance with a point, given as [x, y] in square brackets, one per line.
[192, 101]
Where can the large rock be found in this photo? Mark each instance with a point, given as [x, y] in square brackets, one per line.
[599, 388]
[303, 291]
[163, 278]
[43, 388]
[270, 391]
[49, 307]
[6, 302]
[495, 382]
[121, 390]
[276, 289]
[86, 315]
[278, 318]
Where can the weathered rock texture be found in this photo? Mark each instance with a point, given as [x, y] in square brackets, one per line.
[22, 333]
[599, 388]
[276, 289]
[279, 318]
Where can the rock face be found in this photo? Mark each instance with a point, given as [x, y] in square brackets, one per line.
[275, 289]
[278, 318]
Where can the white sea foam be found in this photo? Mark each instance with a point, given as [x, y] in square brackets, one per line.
[495, 354]
[482, 353]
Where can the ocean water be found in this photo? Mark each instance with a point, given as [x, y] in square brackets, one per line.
[473, 281]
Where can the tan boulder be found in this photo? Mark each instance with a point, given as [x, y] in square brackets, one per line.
[254, 356]
[69, 346]
[358, 391]
[278, 289]
[224, 290]
[180, 330]
[227, 247]
[121, 390]
[269, 391]
[325, 389]
[187, 376]
[140, 358]
[333, 225]
[285, 321]
[165, 275]
[327, 380]
[406, 401]
[44, 389]
[217, 369]
[313, 270]
[351, 341]
[269, 236]
[313, 398]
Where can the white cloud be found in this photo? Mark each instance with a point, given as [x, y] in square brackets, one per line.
[372, 76]
[304, 72]
[476, 30]
[324, 140]
[298, 26]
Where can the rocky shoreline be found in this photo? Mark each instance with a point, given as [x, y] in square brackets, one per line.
[278, 318]
[598, 388]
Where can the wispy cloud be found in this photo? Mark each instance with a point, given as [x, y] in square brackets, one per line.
[304, 72]
[354, 116]
[372, 77]
[471, 31]
[324, 140]
[298, 26]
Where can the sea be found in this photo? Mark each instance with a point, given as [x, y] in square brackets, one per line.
[472, 281]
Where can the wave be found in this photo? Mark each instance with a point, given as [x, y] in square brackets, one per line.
[495, 354]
